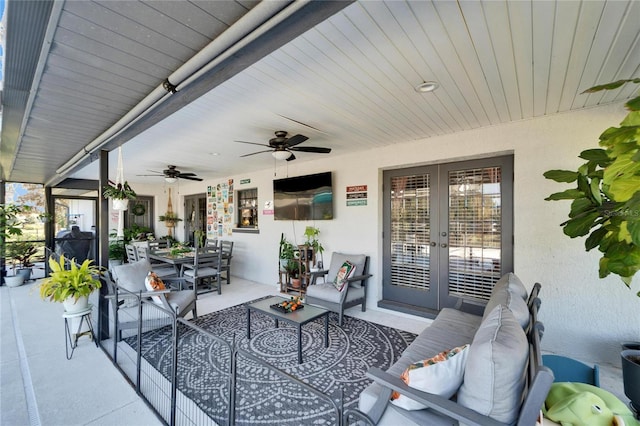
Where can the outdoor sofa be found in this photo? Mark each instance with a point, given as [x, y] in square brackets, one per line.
[503, 380]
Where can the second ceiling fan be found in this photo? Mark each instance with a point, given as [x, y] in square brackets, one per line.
[281, 146]
[171, 174]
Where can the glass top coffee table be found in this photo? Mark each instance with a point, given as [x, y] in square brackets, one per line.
[298, 318]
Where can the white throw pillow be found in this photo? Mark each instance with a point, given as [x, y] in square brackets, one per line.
[441, 375]
[154, 283]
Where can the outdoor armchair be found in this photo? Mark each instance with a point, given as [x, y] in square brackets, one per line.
[353, 293]
[126, 283]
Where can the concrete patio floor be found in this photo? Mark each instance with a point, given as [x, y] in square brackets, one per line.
[39, 386]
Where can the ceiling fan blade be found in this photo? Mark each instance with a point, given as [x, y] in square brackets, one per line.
[186, 174]
[295, 140]
[291, 157]
[182, 176]
[159, 174]
[315, 149]
[254, 153]
[253, 143]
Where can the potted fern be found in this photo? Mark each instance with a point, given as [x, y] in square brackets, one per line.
[169, 219]
[71, 286]
[120, 194]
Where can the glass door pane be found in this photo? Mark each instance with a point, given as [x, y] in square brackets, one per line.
[410, 231]
[475, 231]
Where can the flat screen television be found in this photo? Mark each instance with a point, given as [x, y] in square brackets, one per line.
[308, 197]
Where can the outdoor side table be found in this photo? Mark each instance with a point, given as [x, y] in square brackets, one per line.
[71, 342]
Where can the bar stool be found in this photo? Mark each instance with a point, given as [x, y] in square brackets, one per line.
[72, 342]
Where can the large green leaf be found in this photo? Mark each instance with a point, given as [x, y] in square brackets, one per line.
[580, 226]
[633, 104]
[595, 190]
[626, 262]
[597, 154]
[603, 270]
[611, 86]
[614, 136]
[633, 226]
[581, 205]
[595, 238]
[631, 120]
[561, 175]
[569, 194]
[622, 189]
[623, 166]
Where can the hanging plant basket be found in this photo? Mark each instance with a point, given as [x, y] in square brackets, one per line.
[120, 204]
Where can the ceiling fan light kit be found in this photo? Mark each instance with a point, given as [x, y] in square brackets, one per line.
[281, 155]
[170, 179]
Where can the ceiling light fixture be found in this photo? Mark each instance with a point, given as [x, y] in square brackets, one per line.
[169, 179]
[426, 87]
[281, 155]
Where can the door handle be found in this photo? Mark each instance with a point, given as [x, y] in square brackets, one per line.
[443, 245]
[433, 244]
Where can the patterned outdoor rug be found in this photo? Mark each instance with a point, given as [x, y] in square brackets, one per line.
[262, 396]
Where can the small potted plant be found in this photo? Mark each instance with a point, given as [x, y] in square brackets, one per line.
[120, 195]
[295, 270]
[22, 252]
[286, 252]
[10, 226]
[169, 219]
[117, 252]
[311, 235]
[71, 286]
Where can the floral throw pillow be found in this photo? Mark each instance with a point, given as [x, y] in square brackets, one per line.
[441, 375]
[154, 283]
[345, 272]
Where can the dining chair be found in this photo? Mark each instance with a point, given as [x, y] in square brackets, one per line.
[206, 268]
[227, 253]
[211, 243]
[132, 255]
[162, 269]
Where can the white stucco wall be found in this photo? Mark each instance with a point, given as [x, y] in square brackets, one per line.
[584, 316]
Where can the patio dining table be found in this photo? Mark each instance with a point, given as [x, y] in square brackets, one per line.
[177, 260]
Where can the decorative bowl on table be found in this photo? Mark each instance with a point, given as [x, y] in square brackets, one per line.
[288, 306]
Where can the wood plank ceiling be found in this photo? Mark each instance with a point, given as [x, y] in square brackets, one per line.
[347, 82]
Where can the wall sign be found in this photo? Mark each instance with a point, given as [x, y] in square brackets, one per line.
[357, 195]
[220, 209]
[268, 208]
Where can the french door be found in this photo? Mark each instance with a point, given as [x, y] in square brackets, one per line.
[196, 216]
[448, 232]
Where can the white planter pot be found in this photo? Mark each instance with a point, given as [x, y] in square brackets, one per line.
[71, 305]
[14, 281]
[119, 204]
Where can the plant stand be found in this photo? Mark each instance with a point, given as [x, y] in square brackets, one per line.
[305, 261]
[71, 341]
